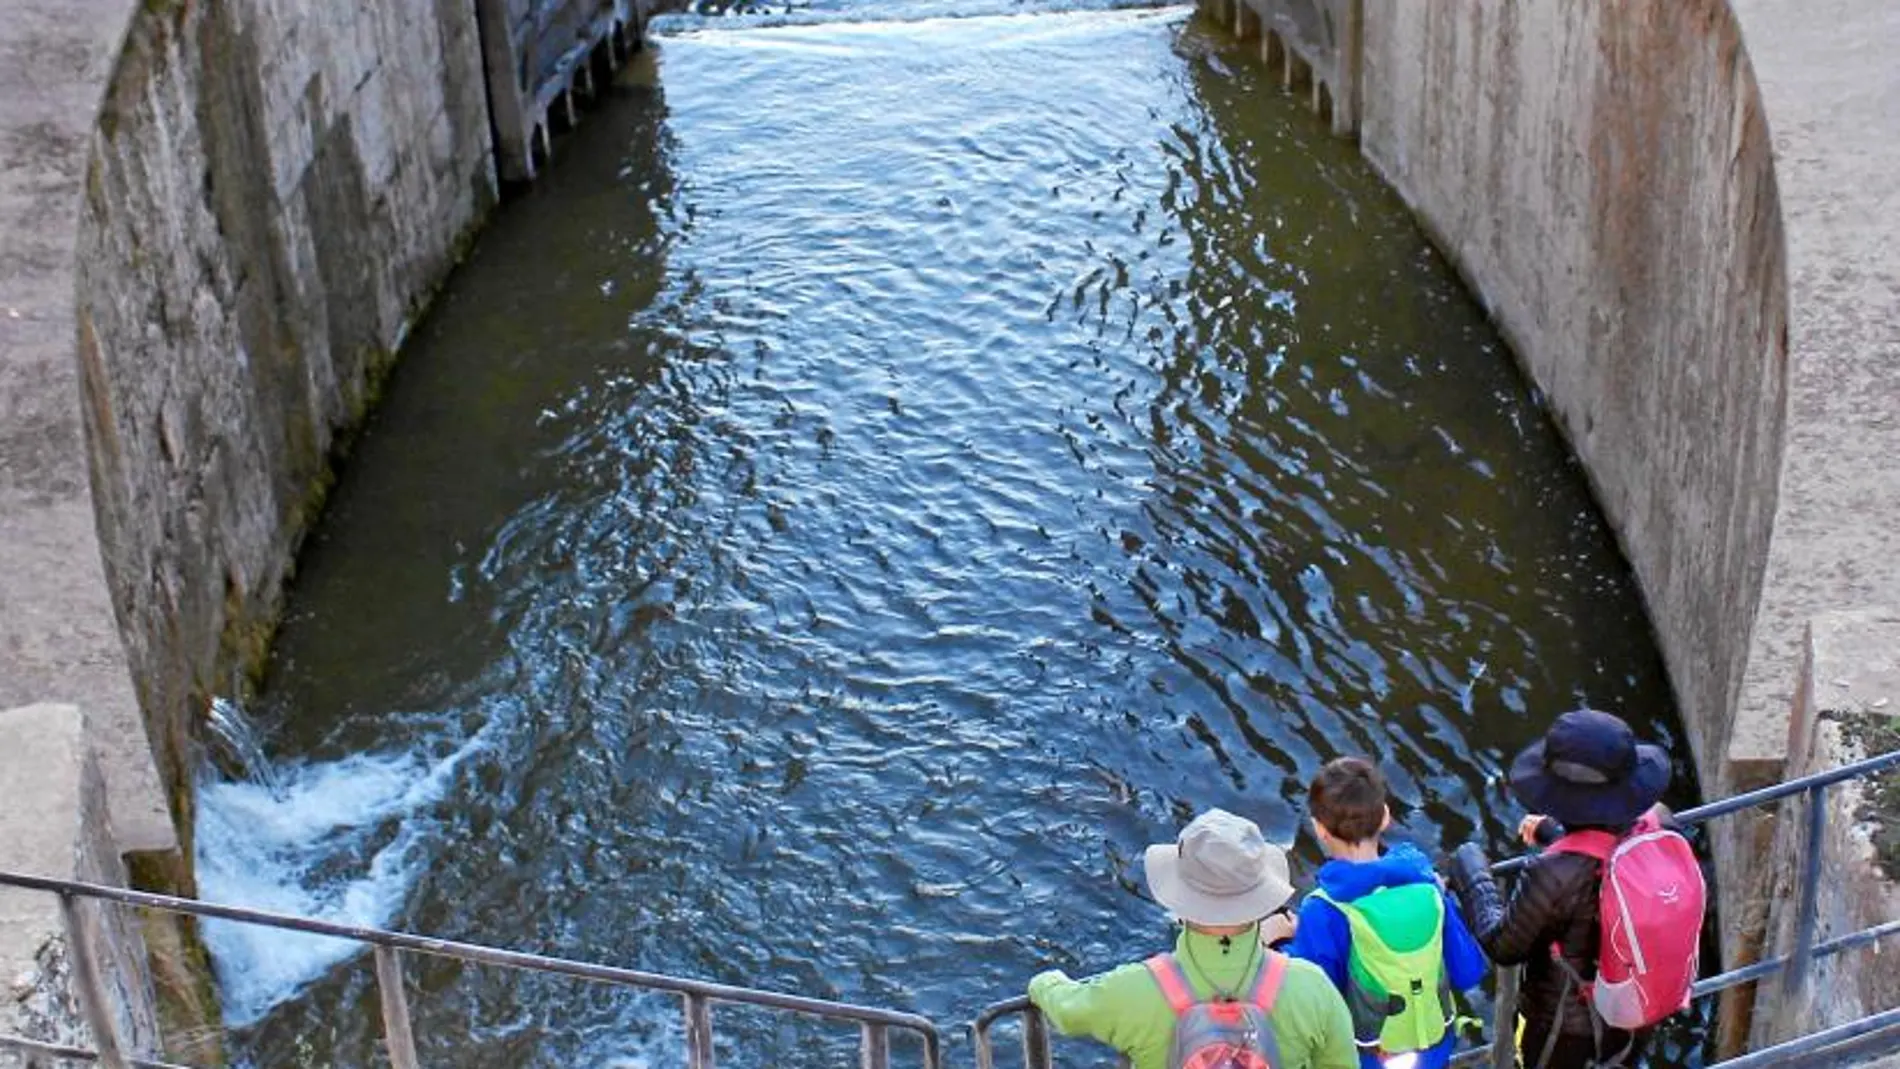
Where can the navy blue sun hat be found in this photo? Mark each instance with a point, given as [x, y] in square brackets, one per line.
[1589, 769]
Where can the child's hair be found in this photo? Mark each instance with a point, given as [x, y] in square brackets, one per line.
[1348, 799]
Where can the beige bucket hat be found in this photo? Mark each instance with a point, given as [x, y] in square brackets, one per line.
[1220, 871]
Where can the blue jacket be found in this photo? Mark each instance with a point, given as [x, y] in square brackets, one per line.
[1325, 938]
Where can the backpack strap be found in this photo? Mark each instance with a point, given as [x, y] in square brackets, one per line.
[1173, 982]
[1651, 820]
[1266, 986]
[1592, 843]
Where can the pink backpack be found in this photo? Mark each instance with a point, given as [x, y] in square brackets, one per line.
[1650, 908]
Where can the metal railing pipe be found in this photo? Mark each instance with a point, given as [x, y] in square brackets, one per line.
[1797, 973]
[74, 1054]
[1702, 814]
[1813, 1041]
[1504, 1020]
[449, 948]
[699, 1034]
[1036, 1053]
[94, 1000]
[1848, 1052]
[1775, 793]
[874, 1047]
[986, 1020]
[1722, 981]
[398, 1036]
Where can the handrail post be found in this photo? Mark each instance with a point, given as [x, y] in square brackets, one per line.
[874, 1046]
[1035, 1040]
[398, 1036]
[1797, 969]
[933, 1053]
[93, 998]
[980, 1038]
[699, 1040]
[1504, 1019]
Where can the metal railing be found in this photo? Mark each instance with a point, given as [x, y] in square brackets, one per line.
[698, 996]
[1870, 1036]
[1857, 1040]
[1035, 1033]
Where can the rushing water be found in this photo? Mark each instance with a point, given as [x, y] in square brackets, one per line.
[886, 473]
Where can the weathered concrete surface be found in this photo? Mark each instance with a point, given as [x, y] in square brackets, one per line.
[1831, 88]
[274, 190]
[58, 638]
[55, 823]
[539, 55]
[1694, 247]
[1847, 695]
[1312, 44]
[1600, 171]
[1702, 275]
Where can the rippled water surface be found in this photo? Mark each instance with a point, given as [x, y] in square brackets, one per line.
[884, 475]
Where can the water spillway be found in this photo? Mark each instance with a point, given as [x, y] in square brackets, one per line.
[884, 474]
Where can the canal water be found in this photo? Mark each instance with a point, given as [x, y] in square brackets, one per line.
[887, 472]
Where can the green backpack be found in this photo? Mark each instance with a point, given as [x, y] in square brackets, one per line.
[1396, 985]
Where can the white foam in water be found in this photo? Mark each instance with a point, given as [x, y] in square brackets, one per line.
[342, 841]
[895, 11]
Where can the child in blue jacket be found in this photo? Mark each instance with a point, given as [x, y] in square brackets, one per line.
[1382, 927]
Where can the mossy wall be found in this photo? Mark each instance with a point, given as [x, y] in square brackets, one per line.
[274, 190]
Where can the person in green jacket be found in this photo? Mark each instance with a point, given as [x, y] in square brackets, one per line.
[1220, 879]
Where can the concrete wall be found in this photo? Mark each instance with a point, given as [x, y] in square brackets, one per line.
[58, 638]
[541, 54]
[1831, 90]
[1847, 695]
[1315, 45]
[56, 824]
[1702, 271]
[1601, 172]
[217, 223]
[275, 189]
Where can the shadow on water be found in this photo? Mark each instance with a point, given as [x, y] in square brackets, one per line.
[858, 499]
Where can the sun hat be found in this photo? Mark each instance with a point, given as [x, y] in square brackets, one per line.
[1220, 871]
[1589, 769]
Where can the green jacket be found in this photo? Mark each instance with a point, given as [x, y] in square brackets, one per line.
[1125, 1009]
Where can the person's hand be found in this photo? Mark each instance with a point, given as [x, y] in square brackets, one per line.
[1527, 829]
[1043, 981]
[1278, 928]
[1466, 867]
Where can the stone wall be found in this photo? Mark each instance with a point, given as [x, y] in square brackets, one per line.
[58, 638]
[56, 824]
[275, 188]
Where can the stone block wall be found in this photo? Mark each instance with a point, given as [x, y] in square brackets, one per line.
[56, 824]
[275, 188]
[58, 638]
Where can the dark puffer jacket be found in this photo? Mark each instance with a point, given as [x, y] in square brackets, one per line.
[1554, 903]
